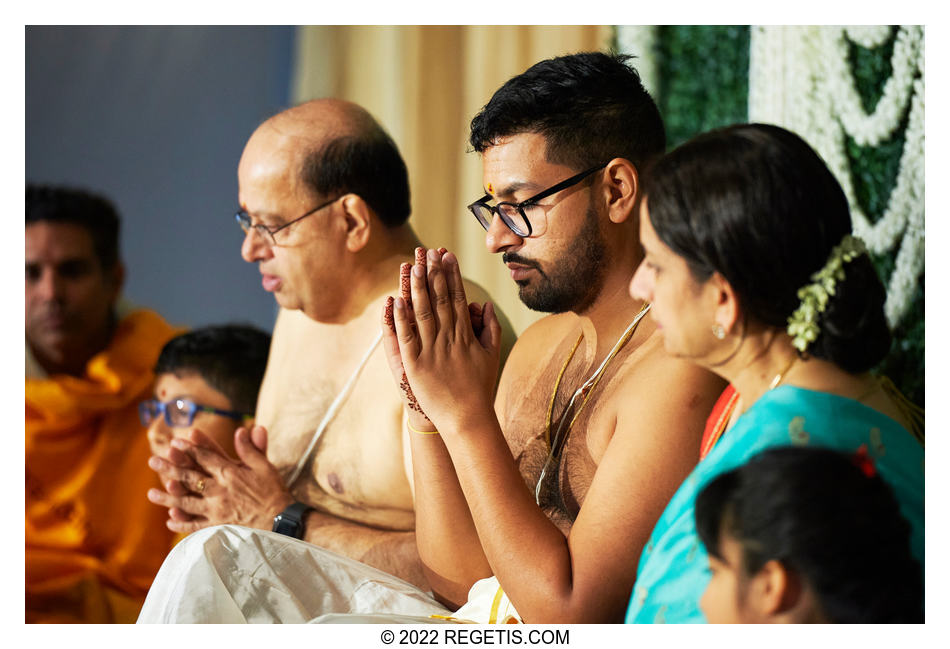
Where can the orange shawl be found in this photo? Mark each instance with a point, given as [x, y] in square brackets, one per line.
[93, 540]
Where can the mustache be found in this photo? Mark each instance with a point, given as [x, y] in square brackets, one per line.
[49, 309]
[515, 258]
[54, 318]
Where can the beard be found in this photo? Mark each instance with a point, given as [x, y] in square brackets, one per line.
[570, 283]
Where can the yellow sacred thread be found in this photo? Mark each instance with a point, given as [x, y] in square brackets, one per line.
[493, 614]
[557, 384]
[420, 432]
[586, 390]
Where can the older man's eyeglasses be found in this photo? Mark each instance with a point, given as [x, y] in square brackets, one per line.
[527, 217]
[180, 413]
[268, 234]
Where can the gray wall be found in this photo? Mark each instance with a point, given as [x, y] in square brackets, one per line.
[155, 118]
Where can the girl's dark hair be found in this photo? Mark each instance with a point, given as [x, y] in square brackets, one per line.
[230, 358]
[820, 515]
[756, 204]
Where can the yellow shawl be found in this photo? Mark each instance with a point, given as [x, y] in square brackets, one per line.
[93, 540]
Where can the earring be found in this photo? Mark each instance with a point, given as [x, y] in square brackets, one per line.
[718, 331]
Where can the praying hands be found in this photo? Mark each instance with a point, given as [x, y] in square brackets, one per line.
[204, 487]
[443, 352]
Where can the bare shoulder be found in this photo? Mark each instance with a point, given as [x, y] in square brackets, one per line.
[666, 393]
[666, 380]
[535, 343]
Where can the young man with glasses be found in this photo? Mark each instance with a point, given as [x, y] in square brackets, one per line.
[550, 486]
[324, 205]
[535, 503]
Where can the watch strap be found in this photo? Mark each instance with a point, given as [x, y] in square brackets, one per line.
[290, 522]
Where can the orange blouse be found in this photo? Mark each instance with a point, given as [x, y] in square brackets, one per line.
[718, 418]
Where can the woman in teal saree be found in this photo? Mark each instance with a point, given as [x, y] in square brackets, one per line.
[752, 272]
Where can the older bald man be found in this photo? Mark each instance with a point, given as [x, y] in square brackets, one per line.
[324, 199]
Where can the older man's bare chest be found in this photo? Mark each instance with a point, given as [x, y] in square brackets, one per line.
[350, 462]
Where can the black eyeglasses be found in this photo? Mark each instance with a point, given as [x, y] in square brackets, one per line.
[244, 220]
[518, 216]
[180, 413]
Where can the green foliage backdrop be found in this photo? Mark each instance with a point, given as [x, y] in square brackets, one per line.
[703, 83]
[703, 78]
[874, 171]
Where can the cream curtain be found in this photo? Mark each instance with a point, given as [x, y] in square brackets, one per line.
[424, 84]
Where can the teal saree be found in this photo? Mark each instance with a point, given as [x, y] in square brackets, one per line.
[673, 570]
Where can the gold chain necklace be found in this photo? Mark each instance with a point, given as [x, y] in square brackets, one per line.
[584, 392]
[781, 375]
[726, 415]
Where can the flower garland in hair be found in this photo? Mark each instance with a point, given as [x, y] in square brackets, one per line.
[803, 324]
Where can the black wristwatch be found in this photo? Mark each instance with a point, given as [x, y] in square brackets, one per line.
[290, 521]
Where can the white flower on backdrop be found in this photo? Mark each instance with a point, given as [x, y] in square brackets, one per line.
[800, 78]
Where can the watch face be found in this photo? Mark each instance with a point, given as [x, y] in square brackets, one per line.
[287, 527]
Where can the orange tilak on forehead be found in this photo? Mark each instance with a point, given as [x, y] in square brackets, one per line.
[491, 189]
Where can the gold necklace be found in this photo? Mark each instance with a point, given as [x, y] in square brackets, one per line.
[584, 391]
[781, 375]
[734, 408]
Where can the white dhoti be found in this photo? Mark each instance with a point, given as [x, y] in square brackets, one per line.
[232, 574]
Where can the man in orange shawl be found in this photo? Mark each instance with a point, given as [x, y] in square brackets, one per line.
[93, 540]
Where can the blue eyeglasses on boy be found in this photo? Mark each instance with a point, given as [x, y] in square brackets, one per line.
[180, 413]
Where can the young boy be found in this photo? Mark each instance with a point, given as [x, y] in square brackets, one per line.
[206, 379]
[807, 535]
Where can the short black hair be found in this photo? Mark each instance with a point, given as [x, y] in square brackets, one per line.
[366, 163]
[230, 358]
[590, 107]
[93, 212]
[818, 513]
[755, 203]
